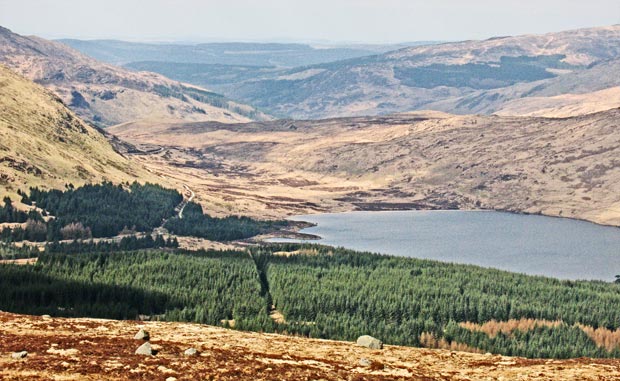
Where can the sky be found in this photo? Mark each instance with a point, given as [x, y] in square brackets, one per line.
[378, 21]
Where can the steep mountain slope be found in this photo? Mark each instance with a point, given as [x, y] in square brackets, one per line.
[44, 144]
[107, 95]
[559, 167]
[417, 77]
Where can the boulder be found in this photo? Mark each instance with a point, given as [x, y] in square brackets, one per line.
[191, 352]
[142, 335]
[19, 355]
[369, 342]
[145, 349]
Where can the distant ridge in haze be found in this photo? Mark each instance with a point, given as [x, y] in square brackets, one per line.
[442, 77]
[283, 55]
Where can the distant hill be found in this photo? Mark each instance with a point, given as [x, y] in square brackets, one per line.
[463, 77]
[44, 144]
[221, 66]
[277, 55]
[107, 95]
[595, 88]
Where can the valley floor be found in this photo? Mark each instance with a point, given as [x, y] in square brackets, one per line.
[557, 167]
[95, 349]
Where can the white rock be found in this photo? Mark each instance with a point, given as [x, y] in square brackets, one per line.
[145, 349]
[369, 342]
[19, 355]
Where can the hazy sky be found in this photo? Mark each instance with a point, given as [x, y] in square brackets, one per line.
[285, 20]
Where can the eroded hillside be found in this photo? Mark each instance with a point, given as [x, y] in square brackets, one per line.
[559, 167]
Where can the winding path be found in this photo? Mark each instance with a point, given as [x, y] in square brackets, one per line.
[185, 202]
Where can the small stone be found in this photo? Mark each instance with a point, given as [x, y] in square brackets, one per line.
[142, 335]
[19, 355]
[145, 349]
[46, 316]
[165, 370]
[171, 379]
[369, 342]
[191, 352]
[365, 362]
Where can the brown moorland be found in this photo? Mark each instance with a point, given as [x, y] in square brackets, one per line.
[95, 349]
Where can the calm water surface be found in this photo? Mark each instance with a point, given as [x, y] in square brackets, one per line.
[537, 245]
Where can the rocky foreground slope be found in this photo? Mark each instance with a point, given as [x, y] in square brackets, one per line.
[94, 349]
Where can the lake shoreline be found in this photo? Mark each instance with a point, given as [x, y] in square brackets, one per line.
[501, 241]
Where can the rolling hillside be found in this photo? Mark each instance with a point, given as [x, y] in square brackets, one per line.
[559, 167]
[44, 144]
[107, 95]
[464, 77]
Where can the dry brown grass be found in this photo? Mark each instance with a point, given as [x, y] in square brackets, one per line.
[44, 144]
[558, 167]
[95, 349]
[494, 327]
[603, 337]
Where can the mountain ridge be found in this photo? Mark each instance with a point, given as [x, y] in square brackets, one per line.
[105, 94]
[416, 78]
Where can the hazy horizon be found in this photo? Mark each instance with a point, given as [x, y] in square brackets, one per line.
[322, 21]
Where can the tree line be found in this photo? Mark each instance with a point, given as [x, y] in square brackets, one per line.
[106, 210]
[324, 293]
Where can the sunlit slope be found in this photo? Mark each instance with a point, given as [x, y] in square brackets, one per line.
[42, 143]
[560, 167]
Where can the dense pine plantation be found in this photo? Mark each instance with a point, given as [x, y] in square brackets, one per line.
[202, 287]
[322, 292]
[105, 210]
[340, 294]
[196, 223]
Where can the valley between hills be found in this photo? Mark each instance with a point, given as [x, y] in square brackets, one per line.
[565, 167]
[131, 196]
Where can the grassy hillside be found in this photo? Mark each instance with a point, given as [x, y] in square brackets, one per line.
[44, 144]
